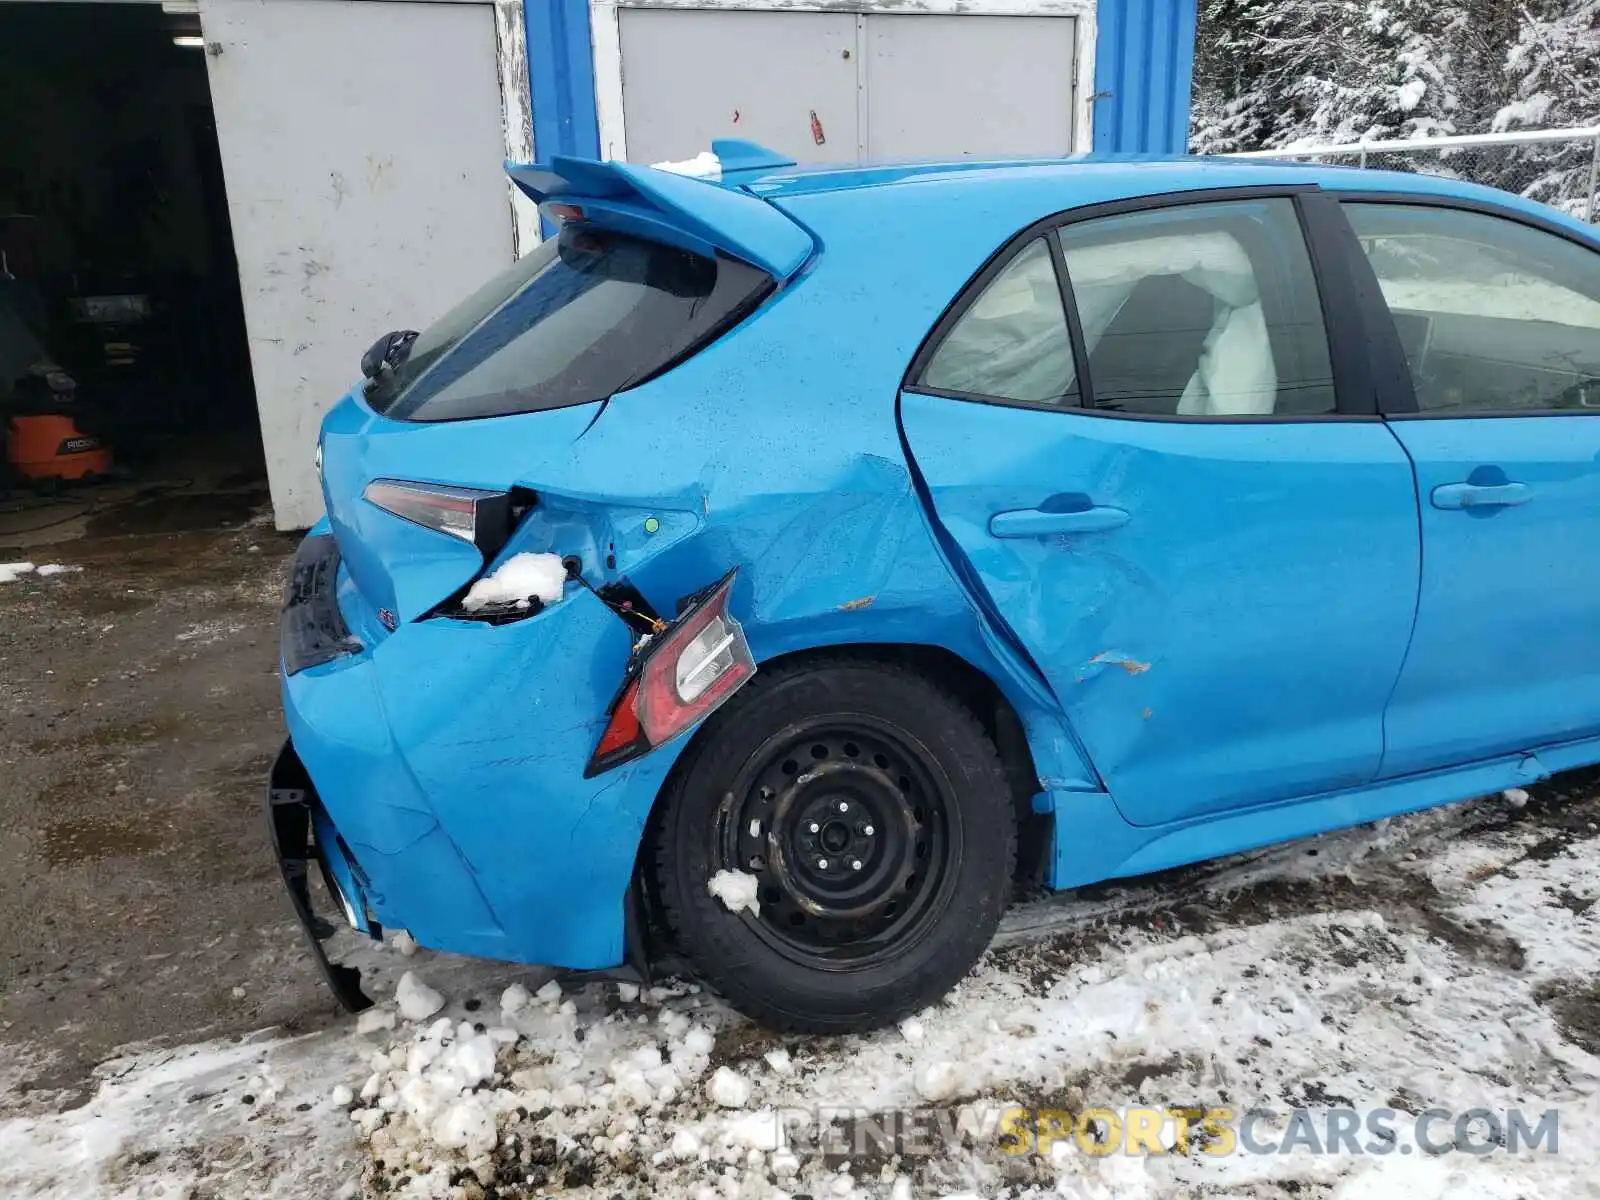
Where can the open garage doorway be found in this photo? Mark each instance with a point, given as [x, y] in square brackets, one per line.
[123, 353]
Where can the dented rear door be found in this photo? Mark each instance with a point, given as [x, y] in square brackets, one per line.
[1221, 599]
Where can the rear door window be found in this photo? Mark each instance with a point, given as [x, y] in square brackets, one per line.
[1201, 310]
[1011, 343]
[590, 313]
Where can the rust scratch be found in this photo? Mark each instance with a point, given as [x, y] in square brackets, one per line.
[1112, 658]
[857, 605]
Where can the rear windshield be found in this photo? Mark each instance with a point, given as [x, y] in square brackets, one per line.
[586, 315]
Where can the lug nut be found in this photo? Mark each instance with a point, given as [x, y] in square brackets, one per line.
[855, 864]
[815, 828]
[822, 864]
[843, 807]
[864, 830]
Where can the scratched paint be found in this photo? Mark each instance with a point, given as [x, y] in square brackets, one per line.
[1112, 658]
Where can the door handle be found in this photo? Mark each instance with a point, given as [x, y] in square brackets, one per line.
[1037, 522]
[1481, 495]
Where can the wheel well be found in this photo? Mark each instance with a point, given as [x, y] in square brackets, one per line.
[969, 685]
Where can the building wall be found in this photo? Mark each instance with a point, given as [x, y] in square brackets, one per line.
[1139, 54]
[361, 199]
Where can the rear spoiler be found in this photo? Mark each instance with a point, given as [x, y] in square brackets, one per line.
[676, 207]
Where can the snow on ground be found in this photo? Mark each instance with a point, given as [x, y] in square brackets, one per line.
[1444, 960]
[11, 572]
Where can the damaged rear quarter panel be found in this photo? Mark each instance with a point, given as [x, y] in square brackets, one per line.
[775, 451]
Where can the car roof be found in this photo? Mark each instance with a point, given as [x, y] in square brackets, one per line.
[1054, 185]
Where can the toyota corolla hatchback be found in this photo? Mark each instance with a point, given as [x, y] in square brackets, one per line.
[771, 572]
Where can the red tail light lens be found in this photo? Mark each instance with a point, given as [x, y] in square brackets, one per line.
[686, 674]
[622, 733]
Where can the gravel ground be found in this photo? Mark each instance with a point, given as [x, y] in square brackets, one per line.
[138, 716]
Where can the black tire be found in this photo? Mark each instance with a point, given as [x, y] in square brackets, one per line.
[817, 737]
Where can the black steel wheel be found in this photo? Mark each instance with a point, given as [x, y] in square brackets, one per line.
[872, 811]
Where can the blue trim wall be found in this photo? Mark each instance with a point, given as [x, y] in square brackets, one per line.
[1143, 66]
[561, 78]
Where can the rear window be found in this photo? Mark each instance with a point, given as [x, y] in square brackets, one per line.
[588, 314]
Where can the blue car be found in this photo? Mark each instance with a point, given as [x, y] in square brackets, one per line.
[773, 573]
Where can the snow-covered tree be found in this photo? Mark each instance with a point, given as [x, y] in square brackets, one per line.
[1280, 73]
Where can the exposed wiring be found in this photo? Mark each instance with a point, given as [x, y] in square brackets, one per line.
[625, 609]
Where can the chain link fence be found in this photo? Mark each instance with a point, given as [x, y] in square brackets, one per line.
[1559, 167]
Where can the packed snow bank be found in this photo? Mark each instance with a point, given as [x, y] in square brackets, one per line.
[519, 580]
[1291, 982]
[1444, 960]
[704, 165]
[251, 1119]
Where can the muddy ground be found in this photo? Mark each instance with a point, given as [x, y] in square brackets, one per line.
[138, 715]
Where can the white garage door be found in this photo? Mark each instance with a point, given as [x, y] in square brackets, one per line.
[362, 148]
[843, 87]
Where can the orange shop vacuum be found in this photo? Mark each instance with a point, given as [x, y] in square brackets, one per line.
[44, 444]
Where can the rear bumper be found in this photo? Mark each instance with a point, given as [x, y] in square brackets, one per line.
[448, 759]
[300, 835]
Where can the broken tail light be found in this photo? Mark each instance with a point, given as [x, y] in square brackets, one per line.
[679, 679]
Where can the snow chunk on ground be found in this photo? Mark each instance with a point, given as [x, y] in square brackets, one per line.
[415, 999]
[519, 580]
[11, 572]
[756, 1131]
[550, 993]
[341, 1095]
[467, 1125]
[938, 1081]
[514, 999]
[728, 1088]
[374, 1020]
[704, 165]
[1516, 797]
[48, 569]
[779, 1061]
[737, 891]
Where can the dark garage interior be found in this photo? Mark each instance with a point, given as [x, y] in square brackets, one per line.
[125, 389]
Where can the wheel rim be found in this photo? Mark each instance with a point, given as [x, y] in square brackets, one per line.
[849, 829]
